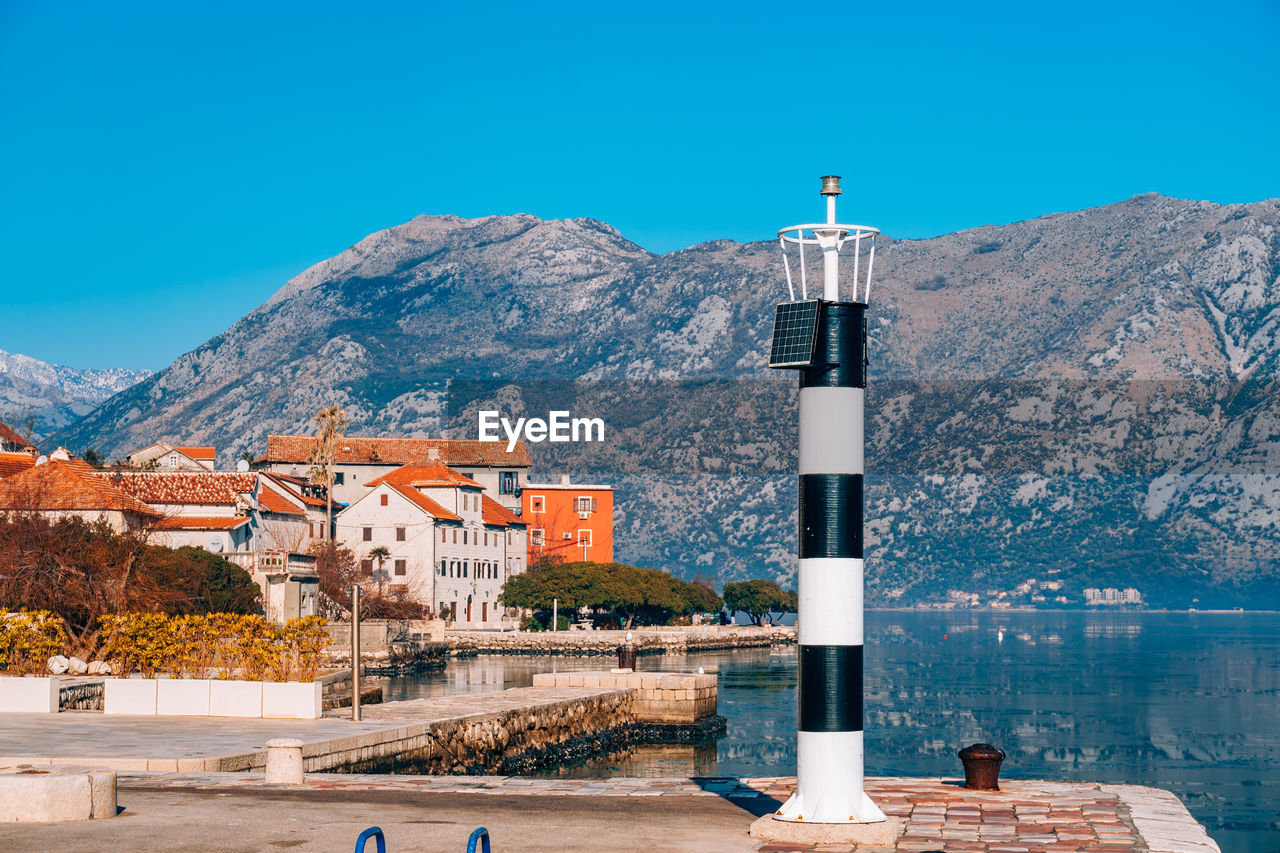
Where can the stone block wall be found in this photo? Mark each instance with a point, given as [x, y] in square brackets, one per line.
[657, 697]
[666, 640]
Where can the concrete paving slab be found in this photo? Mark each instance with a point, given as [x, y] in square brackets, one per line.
[238, 811]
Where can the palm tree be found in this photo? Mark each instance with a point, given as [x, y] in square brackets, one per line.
[331, 421]
[381, 553]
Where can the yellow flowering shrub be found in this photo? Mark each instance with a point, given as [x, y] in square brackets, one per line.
[28, 638]
[216, 645]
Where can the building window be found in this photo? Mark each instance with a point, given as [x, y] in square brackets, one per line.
[383, 496]
[444, 534]
[338, 477]
[400, 568]
[537, 536]
[585, 504]
[366, 568]
[537, 503]
[507, 483]
[584, 537]
[466, 567]
[368, 534]
[455, 536]
[399, 534]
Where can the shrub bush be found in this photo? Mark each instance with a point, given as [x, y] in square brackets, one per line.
[28, 639]
[216, 645]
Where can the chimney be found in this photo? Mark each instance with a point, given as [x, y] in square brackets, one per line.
[433, 454]
[564, 479]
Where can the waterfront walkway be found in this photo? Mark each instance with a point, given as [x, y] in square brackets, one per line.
[128, 743]
[239, 812]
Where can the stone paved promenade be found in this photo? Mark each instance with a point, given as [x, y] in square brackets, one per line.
[126, 743]
[228, 811]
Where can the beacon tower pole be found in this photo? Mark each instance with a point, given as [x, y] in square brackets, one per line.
[825, 339]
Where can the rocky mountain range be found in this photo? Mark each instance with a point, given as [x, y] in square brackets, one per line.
[48, 397]
[1086, 396]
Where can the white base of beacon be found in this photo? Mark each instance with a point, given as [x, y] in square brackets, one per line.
[826, 790]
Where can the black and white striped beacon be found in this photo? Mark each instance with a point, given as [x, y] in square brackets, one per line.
[824, 337]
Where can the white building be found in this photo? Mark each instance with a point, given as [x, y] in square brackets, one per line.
[171, 457]
[448, 543]
[260, 522]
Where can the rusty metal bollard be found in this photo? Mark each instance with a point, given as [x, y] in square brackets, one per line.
[627, 655]
[982, 766]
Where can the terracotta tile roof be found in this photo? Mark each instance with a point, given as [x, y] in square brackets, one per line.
[15, 463]
[496, 514]
[273, 501]
[58, 485]
[421, 501]
[401, 451]
[201, 522]
[8, 436]
[187, 487]
[294, 486]
[198, 453]
[429, 474]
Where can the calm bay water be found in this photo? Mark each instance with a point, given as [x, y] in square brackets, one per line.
[1184, 701]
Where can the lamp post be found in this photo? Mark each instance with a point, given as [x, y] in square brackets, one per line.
[355, 653]
[824, 338]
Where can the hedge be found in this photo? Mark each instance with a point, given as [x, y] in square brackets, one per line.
[216, 645]
[28, 638]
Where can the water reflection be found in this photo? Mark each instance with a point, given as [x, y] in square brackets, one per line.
[1180, 701]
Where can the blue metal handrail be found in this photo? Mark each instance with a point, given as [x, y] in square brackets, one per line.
[481, 835]
[375, 833]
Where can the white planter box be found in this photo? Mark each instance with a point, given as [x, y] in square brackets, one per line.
[182, 697]
[235, 699]
[129, 696]
[29, 695]
[292, 700]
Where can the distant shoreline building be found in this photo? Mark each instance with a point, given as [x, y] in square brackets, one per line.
[1110, 596]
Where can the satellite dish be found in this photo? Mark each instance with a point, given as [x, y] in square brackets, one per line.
[243, 466]
[41, 460]
[215, 544]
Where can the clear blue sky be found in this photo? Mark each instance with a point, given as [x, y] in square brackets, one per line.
[167, 166]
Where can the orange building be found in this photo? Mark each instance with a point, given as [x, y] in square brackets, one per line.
[568, 522]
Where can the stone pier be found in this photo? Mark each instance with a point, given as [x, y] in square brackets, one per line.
[236, 811]
[447, 734]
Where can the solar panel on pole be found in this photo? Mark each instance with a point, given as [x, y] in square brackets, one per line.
[795, 332]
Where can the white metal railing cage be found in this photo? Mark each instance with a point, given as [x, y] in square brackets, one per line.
[830, 237]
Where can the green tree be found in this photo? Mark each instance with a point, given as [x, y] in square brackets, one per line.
[759, 599]
[648, 596]
[703, 597]
[330, 422]
[381, 553]
[193, 580]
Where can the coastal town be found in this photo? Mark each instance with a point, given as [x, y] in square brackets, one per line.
[443, 523]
